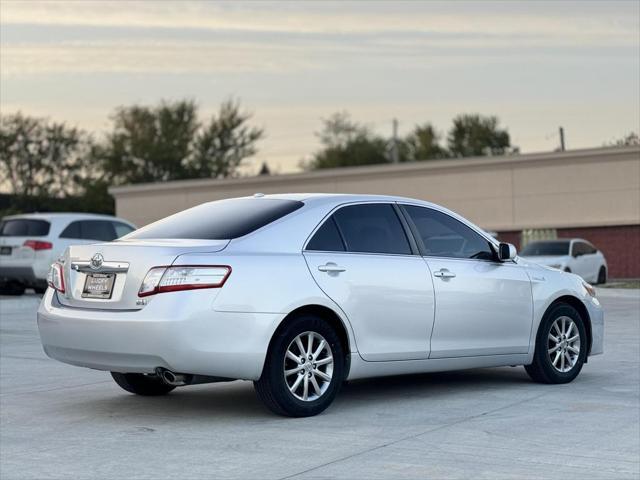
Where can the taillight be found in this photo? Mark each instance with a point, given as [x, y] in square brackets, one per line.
[183, 277]
[55, 277]
[38, 245]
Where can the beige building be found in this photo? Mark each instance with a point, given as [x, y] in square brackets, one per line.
[592, 193]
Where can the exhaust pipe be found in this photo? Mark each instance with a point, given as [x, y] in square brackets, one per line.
[181, 379]
[174, 379]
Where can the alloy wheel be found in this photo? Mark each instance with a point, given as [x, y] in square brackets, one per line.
[563, 344]
[308, 366]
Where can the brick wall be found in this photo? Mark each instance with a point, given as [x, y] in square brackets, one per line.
[620, 245]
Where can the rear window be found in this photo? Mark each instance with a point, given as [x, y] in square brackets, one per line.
[24, 227]
[221, 220]
[537, 249]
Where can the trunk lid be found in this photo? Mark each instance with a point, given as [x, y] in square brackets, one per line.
[123, 264]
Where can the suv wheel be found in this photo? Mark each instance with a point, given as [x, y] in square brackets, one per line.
[303, 370]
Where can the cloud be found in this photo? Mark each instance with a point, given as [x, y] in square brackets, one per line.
[571, 25]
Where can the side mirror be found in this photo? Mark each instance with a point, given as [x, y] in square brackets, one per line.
[506, 251]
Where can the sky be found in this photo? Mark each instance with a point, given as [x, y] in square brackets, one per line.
[536, 65]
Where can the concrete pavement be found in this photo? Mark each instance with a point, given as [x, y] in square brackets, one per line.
[59, 421]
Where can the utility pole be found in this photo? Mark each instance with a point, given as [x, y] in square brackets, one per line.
[395, 154]
[561, 130]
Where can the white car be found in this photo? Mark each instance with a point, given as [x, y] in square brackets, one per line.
[300, 292]
[30, 243]
[571, 255]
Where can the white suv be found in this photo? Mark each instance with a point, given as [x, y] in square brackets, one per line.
[30, 243]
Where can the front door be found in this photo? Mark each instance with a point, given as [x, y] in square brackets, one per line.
[362, 259]
[483, 306]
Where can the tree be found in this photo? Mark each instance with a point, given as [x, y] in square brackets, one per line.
[424, 144]
[168, 142]
[346, 143]
[221, 147]
[629, 139]
[149, 144]
[475, 135]
[39, 158]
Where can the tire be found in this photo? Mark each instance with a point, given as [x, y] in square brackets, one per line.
[141, 384]
[567, 269]
[278, 390]
[542, 369]
[12, 288]
[602, 276]
[40, 290]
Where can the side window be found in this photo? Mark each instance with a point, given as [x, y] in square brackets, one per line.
[327, 238]
[590, 249]
[121, 229]
[444, 236]
[97, 230]
[372, 228]
[72, 231]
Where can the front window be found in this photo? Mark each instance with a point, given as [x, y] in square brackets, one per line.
[550, 249]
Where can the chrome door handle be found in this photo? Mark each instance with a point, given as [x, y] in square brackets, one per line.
[331, 267]
[444, 273]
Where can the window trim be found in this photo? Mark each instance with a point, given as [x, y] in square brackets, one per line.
[415, 232]
[394, 205]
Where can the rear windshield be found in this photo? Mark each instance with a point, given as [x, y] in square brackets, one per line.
[534, 249]
[221, 220]
[24, 227]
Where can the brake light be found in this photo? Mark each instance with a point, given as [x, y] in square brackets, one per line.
[55, 277]
[183, 277]
[38, 245]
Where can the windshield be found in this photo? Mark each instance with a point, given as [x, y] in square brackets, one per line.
[221, 220]
[534, 249]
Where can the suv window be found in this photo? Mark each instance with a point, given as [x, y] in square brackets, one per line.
[90, 230]
[582, 248]
[24, 227]
[122, 229]
[372, 228]
[444, 236]
[221, 220]
[327, 238]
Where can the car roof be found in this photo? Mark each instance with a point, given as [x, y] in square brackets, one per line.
[337, 198]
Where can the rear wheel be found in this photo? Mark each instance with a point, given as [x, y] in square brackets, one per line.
[141, 384]
[11, 288]
[561, 346]
[303, 370]
[602, 276]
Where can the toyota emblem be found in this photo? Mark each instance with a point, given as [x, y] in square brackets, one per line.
[96, 261]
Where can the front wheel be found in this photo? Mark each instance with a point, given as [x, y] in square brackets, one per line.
[141, 384]
[303, 370]
[561, 346]
[602, 276]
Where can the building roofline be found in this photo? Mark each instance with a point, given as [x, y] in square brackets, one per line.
[516, 160]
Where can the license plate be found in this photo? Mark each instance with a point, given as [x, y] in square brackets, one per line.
[5, 250]
[98, 285]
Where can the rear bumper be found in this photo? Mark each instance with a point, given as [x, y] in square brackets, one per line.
[179, 331]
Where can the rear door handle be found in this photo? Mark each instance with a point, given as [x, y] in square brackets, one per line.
[331, 267]
[444, 273]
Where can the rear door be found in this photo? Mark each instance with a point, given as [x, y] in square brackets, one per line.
[363, 259]
[483, 306]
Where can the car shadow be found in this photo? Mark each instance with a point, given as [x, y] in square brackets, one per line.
[238, 401]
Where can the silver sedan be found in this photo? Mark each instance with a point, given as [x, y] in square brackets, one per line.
[301, 292]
